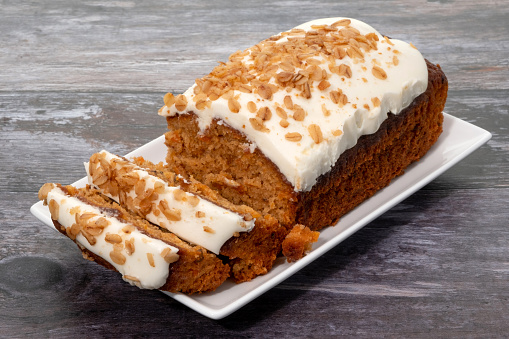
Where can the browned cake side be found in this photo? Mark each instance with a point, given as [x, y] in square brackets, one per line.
[196, 270]
[220, 158]
[377, 158]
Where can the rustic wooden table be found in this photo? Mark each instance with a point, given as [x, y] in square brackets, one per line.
[77, 77]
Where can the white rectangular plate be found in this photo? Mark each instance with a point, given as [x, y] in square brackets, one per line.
[458, 140]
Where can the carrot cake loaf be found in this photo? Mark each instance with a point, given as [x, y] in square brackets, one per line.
[273, 145]
[309, 123]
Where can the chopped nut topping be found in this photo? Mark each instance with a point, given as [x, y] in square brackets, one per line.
[129, 179]
[388, 41]
[337, 133]
[245, 88]
[181, 102]
[99, 177]
[287, 66]
[299, 114]
[293, 136]
[119, 246]
[83, 218]
[193, 200]
[202, 104]
[284, 123]
[90, 238]
[354, 52]
[117, 257]
[169, 99]
[74, 230]
[344, 70]
[53, 209]
[200, 214]
[284, 77]
[395, 60]
[281, 113]
[375, 101]
[306, 92]
[74, 210]
[129, 246]
[102, 222]
[150, 258]
[251, 106]
[349, 32]
[168, 256]
[233, 105]
[265, 91]
[324, 84]
[139, 188]
[258, 125]
[208, 229]
[325, 111]
[179, 194]
[128, 229]
[159, 187]
[93, 231]
[264, 113]
[316, 133]
[342, 22]
[113, 238]
[44, 190]
[338, 97]
[379, 73]
[170, 213]
[288, 102]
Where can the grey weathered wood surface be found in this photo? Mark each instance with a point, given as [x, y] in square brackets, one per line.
[77, 77]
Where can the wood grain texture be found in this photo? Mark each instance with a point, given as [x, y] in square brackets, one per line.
[77, 77]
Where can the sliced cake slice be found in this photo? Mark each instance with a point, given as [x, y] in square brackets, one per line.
[144, 254]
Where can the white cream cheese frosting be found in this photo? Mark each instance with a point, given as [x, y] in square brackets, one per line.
[307, 95]
[187, 215]
[143, 261]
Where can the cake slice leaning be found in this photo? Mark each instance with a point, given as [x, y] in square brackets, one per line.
[145, 255]
[242, 237]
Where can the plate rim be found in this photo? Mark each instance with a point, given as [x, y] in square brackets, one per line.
[193, 302]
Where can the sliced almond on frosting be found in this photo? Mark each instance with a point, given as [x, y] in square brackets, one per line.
[293, 136]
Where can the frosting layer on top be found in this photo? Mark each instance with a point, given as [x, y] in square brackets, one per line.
[305, 96]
